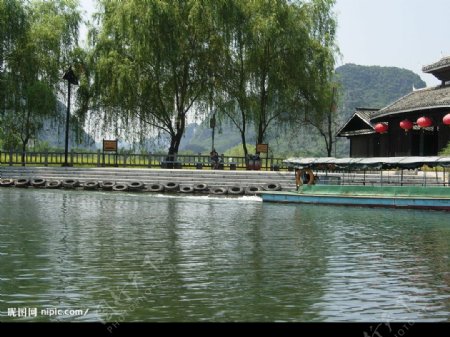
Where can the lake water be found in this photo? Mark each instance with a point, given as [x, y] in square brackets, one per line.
[140, 257]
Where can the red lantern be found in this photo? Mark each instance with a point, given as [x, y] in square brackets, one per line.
[446, 119]
[424, 122]
[406, 125]
[381, 127]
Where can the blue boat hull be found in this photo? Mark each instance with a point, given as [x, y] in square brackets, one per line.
[366, 201]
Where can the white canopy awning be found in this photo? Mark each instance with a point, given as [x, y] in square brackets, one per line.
[368, 163]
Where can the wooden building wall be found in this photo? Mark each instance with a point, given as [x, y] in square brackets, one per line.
[396, 142]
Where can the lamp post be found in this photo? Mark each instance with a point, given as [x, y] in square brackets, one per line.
[70, 77]
[212, 125]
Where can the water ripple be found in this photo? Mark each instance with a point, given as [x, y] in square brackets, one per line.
[141, 257]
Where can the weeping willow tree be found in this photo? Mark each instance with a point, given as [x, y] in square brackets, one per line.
[258, 63]
[151, 64]
[320, 104]
[37, 40]
[278, 61]
[232, 97]
[13, 26]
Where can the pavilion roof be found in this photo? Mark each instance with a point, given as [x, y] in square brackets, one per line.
[359, 123]
[422, 99]
[440, 69]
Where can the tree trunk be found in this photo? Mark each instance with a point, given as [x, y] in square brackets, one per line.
[175, 139]
[330, 136]
[262, 111]
[175, 143]
[24, 148]
[244, 146]
[330, 121]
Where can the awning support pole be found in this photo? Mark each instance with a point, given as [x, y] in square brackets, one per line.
[424, 178]
[444, 174]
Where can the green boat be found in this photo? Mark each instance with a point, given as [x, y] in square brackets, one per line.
[401, 195]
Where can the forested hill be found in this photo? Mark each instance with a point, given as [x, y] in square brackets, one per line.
[373, 86]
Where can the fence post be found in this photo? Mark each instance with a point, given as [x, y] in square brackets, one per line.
[10, 157]
[149, 159]
[46, 157]
[71, 157]
[98, 158]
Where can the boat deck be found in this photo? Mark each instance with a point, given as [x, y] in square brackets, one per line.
[388, 191]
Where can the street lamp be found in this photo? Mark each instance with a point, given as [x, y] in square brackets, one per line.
[212, 125]
[70, 77]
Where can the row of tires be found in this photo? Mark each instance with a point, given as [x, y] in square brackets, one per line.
[135, 186]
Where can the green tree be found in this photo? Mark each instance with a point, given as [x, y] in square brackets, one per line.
[232, 96]
[258, 63]
[13, 25]
[321, 101]
[150, 64]
[446, 150]
[278, 61]
[324, 118]
[32, 68]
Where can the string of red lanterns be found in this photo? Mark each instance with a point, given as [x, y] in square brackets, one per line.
[406, 124]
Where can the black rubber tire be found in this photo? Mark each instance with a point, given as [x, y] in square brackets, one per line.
[90, 185]
[37, 182]
[135, 186]
[70, 183]
[107, 185]
[53, 184]
[252, 190]
[6, 182]
[120, 187]
[235, 190]
[186, 189]
[218, 190]
[200, 187]
[171, 187]
[22, 182]
[272, 187]
[155, 188]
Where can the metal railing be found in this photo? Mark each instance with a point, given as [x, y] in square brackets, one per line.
[108, 159]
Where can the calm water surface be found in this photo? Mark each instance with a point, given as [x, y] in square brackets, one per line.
[141, 257]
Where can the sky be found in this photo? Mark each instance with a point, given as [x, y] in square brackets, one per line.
[400, 33]
[396, 33]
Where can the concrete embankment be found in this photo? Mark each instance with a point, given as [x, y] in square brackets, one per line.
[212, 178]
[185, 180]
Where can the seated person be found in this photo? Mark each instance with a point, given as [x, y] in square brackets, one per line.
[309, 178]
[214, 159]
[305, 177]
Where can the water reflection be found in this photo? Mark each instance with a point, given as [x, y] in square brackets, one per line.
[140, 257]
[383, 257]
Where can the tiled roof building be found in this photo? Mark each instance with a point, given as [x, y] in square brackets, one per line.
[432, 103]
